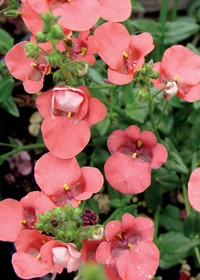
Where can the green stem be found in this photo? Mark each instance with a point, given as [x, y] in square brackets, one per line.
[67, 75]
[162, 114]
[187, 204]
[6, 9]
[9, 145]
[102, 86]
[101, 67]
[137, 80]
[174, 10]
[156, 222]
[162, 21]
[43, 50]
[157, 93]
[111, 107]
[197, 254]
[22, 148]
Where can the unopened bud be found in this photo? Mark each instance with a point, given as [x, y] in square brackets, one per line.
[81, 68]
[12, 14]
[58, 76]
[54, 59]
[57, 32]
[170, 90]
[144, 72]
[96, 232]
[155, 74]
[142, 94]
[31, 50]
[69, 235]
[40, 37]
[60, 234]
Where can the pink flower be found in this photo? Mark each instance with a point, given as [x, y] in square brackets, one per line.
[123, 53]
[134, 155]
[20, 163]
[17, 216]
[34, 257]
[30, 71]
[67, 257]
[67, 181]
[68, 113]
[183, 71]
[194, 190]
[84, 47]
[129, 248]
[76, 15]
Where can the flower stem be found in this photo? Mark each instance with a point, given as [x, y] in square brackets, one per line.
[157, 93]
[137, 80]
[162, 21]
[102, 86]
[162, 114]
[156, 222]
[21, 148]
[174, 10]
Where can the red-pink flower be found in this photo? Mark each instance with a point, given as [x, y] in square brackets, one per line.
[194, 189]
[129, 248]
[84, 47]
[123, 53]
[34, 257]
[17, 216]
[30, 71]
[183, 66]
[134, 155]
[62, 180]
[68, 113]
[77, 15]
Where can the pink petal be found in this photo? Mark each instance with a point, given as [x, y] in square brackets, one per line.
[27, 266]
[38, 6]
[31, 18]
[126, 174]
[148, 138]
[96, 111]
[63, 137]
[159, 156]
[133, 133]
[103, 254]
[112, 229]
[43, 103]
[115, 10]
[140, 262]
[115, 140]
[12, 213]
[193, 94]
[119, 78]
[194, 190]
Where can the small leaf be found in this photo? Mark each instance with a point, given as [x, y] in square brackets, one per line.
[118, 199]
[153, 196]
[10, 106]
[192, 224]
[170, 218]
[174, 247]
[175, 163]
[6, 41]
[6, 88]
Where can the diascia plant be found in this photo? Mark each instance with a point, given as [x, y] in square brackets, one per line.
[105, 90]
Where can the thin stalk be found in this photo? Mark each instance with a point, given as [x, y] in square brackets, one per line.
[6, 9]
[174, 10]
[22, 148]
[156, 222]
[162, 21]
[157, 93]
[111, 107]
[102, 86]
[9, 145]
[43, 50]
[137, 80]
[65, 72]
[102, 68]
[163, 111]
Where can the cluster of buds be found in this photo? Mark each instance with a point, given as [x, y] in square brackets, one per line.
[67, 225]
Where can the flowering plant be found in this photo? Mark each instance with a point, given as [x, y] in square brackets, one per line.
[119, 137]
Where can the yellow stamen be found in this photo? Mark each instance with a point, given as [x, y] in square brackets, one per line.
[134, 155]
[44, 241]
[83, 50]
[134, 64]
[176, 78]
[23, 222]
[33, 64]
[120, 235]
[69, 114]
[66, 187]
[139, 143]
[125, 54]
[79, 203]
[139, 68]
[49, 72]
[130, 246]
[38, 256]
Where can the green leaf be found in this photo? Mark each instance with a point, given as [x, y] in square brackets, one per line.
[138, 113]
[175, 163]
[195, 132]
[178, 31]
[13, 142]
[99, 156]
[131, 209]
[167, 179]
[118, 199]
[82, 159]
[6, 88]
[147, 25]
[174, 247]
[103, 125]
[193, 48]
[10, 106]
[170, 218]
[6, 41]
[137, 6]
[192, 224]
[153, 196]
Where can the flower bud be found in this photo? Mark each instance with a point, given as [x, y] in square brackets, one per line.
[54, 59]
[40, 37]
[155, 74]
[70, 234]
[57, 32]
[144, 72]
[142, 94]
[60, 234]
[58, 76]
[12, 14]
[31, 50]
[170, 90]
[96, 232]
